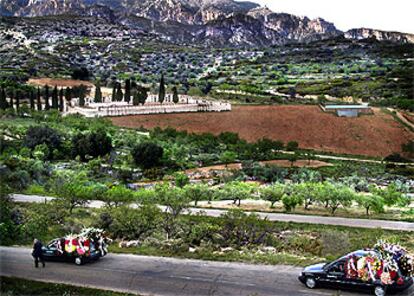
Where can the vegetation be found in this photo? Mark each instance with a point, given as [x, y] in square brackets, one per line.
[11, 286]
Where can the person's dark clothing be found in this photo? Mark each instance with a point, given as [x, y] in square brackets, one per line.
[37, 254]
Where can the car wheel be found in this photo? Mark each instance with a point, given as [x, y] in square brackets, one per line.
[380, 291]
[310, 282]
[78, 261]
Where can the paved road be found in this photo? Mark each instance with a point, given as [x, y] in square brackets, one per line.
[338, 221]
[165, 276]
[345, 158]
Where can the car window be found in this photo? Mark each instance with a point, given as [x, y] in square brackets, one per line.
[52, 244]
[337, 267]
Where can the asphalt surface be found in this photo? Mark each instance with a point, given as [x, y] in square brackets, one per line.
[165, 276]
[338, 221]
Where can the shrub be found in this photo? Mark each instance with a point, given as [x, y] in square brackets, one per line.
[92, 144]
[335, 243]
[147, 154]
[292, 146]
[131, 223]
[43, 135]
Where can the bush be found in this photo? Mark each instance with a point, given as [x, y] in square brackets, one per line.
[93, 144]
[241, 229]
[335, 243]
[133, 224]
[292, 146]
[8, 227]
[147, 155]
[43, 135]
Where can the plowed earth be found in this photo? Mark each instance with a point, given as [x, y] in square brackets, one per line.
[372, 135]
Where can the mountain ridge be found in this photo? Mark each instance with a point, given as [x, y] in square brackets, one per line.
[208, 22]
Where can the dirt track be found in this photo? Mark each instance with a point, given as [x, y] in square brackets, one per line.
[373, 135]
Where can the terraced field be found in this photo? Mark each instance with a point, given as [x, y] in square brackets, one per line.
[372, 135]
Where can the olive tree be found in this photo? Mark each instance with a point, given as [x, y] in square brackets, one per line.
[272, 193]
[237, 191]
[370, 202]
[175, 201]
[198, 192]
[72, 189]
[339, 195]
[117, 195]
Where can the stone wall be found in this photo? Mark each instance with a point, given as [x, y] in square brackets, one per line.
[186, 104]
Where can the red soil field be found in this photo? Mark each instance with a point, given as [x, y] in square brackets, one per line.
[372, 135]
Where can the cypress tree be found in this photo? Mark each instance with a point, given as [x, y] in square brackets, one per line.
[55, 101]
[3, 100]
[17, 96]
[142, 95]
[61, 103]
[114, 92]
[68, 94]
[135, 98]
[11, 104]
[119, 94]
[175, 95]
[98, 93]
[127, 91]
[81, 98]
[38, 101]
[46, 97]
[32, 100]
[161, 93]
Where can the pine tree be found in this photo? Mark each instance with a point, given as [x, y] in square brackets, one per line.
[55, 101]
[113, 97]
[161, 93]
[98, 93]
[46, 97]
[61, 102]
[119, 94]
[127, 91]
[175, 95]
[38, 101]
[32, 100]
[3, 100]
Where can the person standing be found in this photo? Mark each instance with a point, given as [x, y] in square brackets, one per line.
[37, 253]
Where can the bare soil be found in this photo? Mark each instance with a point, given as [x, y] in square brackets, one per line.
[58, 82]
[372, 135]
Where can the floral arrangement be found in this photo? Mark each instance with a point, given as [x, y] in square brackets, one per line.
[81, 243]
[386, 262]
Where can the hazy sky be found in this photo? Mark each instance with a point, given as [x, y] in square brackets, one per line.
[392, 15]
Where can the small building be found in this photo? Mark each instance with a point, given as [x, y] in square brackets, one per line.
[347, 110]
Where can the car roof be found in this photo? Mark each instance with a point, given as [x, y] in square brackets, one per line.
[360, 253]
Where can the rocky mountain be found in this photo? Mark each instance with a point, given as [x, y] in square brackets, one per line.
[208, 22]
[292, 27]
[364, 33]
[183, 11]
